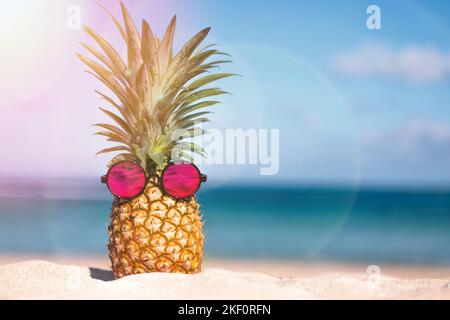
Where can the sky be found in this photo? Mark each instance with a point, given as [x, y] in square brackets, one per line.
[352, 105]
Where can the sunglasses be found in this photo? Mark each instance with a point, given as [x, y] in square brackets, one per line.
[127, 180]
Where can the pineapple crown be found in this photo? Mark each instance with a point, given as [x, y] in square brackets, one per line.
[161, 96]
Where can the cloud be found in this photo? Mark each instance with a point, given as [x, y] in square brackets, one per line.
[414, 64]
[415, 152]
[415, 147]
[409, 133]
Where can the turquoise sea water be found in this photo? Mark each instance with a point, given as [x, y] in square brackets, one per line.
[371, 226]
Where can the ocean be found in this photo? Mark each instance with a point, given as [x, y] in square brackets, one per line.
[310, 224]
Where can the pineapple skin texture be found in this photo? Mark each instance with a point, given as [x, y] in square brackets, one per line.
[155, 233]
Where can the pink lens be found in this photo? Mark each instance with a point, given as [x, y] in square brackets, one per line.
[181, 180]
[126, 179]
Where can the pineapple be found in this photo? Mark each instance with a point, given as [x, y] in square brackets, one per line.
[158, 94]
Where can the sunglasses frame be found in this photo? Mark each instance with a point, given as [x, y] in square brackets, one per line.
[202, 177]
[104, 179]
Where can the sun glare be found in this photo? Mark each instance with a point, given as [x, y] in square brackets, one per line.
[24, 27]
[26, 30]
[20, 17]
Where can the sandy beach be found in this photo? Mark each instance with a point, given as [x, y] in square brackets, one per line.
[56, 277]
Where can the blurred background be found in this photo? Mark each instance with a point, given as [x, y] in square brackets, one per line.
[363, 116]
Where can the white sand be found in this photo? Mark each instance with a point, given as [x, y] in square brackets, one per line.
[46, 280]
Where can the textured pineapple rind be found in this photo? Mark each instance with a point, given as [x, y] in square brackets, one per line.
[155, 233]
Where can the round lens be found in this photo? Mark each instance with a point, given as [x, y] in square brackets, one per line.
[181, 180]
[126, 180]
